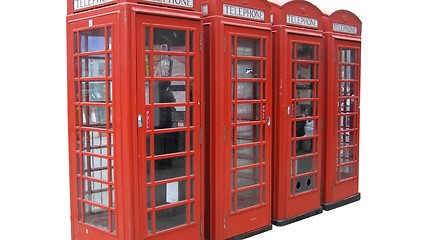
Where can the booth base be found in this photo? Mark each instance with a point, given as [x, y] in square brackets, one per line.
[252, 233]
[284, 222]
[330, 206]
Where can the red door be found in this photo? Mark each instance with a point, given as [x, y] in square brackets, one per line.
[343, 155]
[247, 146]
[168, 127]
[305, 96]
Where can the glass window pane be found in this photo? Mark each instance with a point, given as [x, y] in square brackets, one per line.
[96, 192]
[304, 90]
[347, 88]
[169, 117]
[191, 41]
[149, 222]
[165, 143]
[348, 55]
[149, 205]
[93, 91]
[248, 134]
[94, 117]
[304, 109]
[348, 72]
[248, 198]
[347, 122]
[248, 90]
[346, 171]
[248, 69]
[305, 71]
[92, 40]
[95, 142]
[109, 47]
[170, 92]
[147, 38]
[346, 155]
[304, 165]
[347, 105]
[171, 217]
[248, 46]
[95, 167]
[305, 51]
[169, 40]
[248, 177]
[96, 216]
[248, 112]
[170, 168]
[171, 192]
[93, 66]
[248, 155]
[346, 139]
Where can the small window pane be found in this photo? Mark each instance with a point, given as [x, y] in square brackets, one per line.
[171, 217]
[248, 69]
[96, 216]
[248, 198]
[247, 156]
[248, 177]
[248, 46]
[92, 40]
[305, 52]
[171, 193]
[93, 66]
[165, 143]
[248, 90]
[170, 168]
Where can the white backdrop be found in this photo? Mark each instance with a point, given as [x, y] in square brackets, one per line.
[34, 196]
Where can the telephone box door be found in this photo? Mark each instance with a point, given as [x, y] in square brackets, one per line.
[168, 127]
[247, 173]
[343, 158]
[305, 91]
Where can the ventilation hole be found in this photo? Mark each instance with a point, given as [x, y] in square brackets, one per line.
[298, 185]
[308, 182]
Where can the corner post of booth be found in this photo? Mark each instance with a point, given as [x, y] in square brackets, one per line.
[238, 75]
[299, 86]
[135, 119]
[341, 166]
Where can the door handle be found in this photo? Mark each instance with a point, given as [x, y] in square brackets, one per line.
[140, 121]
[268, 122]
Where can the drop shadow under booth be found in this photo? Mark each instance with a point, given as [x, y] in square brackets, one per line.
[135, 119]
[237, 47]
[343, 54]
[298, 76]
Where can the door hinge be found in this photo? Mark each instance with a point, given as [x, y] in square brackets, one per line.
[225, 44]
[225, 135]
[225, 225]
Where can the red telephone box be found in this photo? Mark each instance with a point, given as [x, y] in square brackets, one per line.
[298, 111]
[135, 119]
[238, 76]
[341, 165]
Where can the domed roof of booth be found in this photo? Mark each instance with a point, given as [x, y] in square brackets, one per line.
[325, 10]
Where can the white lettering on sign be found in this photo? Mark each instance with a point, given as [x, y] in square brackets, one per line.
[338, 27]
[302, 21]
[80, 4]
[180, 3]
[236, 11]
